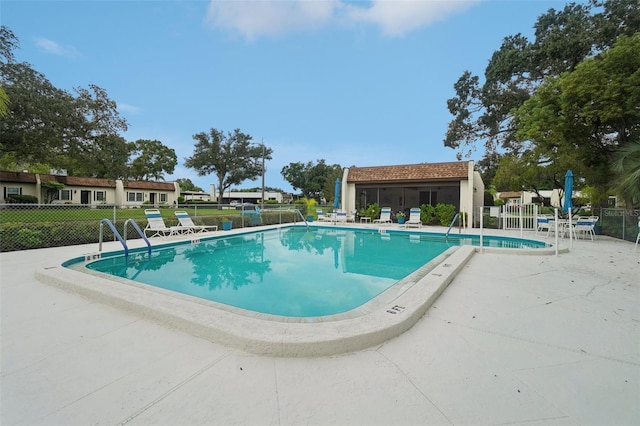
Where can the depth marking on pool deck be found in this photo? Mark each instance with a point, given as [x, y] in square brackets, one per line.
[396, 309]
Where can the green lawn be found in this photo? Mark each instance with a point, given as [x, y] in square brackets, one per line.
[63, 213]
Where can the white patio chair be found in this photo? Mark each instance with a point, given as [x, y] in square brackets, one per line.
[385, 216]
[585, 226]
[156, 226]
[187, 223]
[414, 218]
[542, 223]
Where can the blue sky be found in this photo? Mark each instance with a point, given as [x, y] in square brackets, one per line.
[359, 83]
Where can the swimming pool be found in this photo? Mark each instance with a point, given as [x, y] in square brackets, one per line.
[292, 272]
[386, 316]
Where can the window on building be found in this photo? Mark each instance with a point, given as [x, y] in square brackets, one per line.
[100, 196]
[134, 196]
[65, 195]
[163, 198]
[12, 190]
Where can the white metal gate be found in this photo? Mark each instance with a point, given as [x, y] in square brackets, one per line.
[517, 216]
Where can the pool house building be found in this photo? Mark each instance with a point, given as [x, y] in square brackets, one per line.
[402, 187]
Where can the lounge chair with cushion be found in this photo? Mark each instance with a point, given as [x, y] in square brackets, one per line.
[156, 226]
[385, 216]
[585, 226]
[414, 218]
[323, 217]
[187, 223]
[341, 216]
[543, 223]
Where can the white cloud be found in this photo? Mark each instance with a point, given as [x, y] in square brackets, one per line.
[255, 18]
[55, 48]
[128, 108]
[395, 18]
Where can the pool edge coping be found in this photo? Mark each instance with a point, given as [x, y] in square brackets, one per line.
[263, 337]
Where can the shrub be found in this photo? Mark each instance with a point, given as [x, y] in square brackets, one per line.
[28, 238]
[21, 199]
[445, 213]
[428, 214]
[372, 211]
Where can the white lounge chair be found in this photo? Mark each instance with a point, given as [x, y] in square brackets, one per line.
[385, 216]
[187, 223]
[341, 216]
[585, 226]
[543, 223]
[414, 218]
[156, 226]
[323, 217]
[638, 237]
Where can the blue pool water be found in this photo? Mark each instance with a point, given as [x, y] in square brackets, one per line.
[291, 271]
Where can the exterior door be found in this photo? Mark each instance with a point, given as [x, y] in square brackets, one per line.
[85, 197]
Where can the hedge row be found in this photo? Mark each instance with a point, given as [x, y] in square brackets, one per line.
[22, 236]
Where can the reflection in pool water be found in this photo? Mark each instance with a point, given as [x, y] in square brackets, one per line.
[288, 271]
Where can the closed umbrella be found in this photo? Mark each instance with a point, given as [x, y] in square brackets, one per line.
[568, 191]
[336, 198]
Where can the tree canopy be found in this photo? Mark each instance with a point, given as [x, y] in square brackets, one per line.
[580, 119]
[46, 127]
[565, 99]
[231, 157]
[188, 185]
[153, 160]
[313, 180]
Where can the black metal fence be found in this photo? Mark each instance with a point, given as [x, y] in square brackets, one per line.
[31, 226]
[618, 223]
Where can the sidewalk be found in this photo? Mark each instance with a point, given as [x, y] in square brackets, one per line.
[513, 340]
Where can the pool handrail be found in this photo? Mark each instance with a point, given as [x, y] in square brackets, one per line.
[139, 231]
[451, 226]
[115, 232]
[302, 217]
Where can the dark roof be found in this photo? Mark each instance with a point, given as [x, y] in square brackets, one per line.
[164, 186]
[79, 181]
[410, 172]
[17, 177]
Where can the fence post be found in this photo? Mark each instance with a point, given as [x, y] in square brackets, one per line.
[481, 238]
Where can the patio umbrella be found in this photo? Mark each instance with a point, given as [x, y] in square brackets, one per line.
[336, 199]
[568, 191]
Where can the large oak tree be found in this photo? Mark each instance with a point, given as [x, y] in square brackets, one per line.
[485, 111]
[231, 157]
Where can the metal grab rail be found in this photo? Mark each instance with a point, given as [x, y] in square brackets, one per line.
[140, 232]
[304, 219]
[122, 240]
[115, 232]
[451, 226]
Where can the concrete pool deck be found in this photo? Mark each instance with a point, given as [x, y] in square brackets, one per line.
[512, 340]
